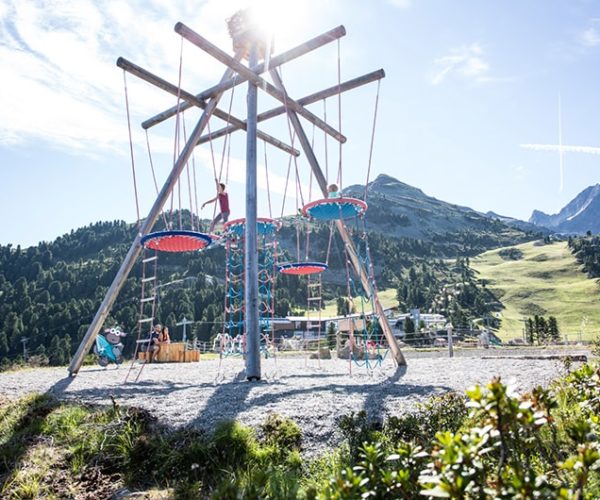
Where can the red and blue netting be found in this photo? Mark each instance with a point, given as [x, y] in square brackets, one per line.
[263, 226]
[334, 208]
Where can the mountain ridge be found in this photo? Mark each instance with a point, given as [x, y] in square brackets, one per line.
[401, 210]
[580, 215]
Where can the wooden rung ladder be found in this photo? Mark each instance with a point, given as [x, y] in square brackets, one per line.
[147, 310]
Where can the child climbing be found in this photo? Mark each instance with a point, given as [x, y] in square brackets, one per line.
[223, 198]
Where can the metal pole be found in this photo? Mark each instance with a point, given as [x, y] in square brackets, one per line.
[24, 342]
[251, 251]
[135, 249]
[450, 346]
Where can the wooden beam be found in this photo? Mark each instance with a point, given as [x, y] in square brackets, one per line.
[136, 247]
[194, 101]
[274, 62]
[202, 43]
[309, 99]
[348, 243]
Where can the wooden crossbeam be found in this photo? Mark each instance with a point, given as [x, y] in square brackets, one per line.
[202, 43]
[194, 101]
[309, 99]
[274, 62]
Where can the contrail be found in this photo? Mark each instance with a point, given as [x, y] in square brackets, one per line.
[560, 144]
[560, 148]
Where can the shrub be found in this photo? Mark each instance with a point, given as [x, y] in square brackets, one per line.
[446, 412]
[282, 433]
[232, 444]
[357, 429]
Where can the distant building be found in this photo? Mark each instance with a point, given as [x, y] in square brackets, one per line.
[432, 321]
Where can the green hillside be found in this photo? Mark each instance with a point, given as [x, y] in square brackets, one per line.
[545, 280]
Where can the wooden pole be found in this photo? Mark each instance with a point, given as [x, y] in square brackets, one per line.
[202, 43]
[349, 244]
[135, 249]
[193, 100]
[274, 62]
[310, 99]
[251, 302]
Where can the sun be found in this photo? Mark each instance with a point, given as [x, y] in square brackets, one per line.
[280, 20]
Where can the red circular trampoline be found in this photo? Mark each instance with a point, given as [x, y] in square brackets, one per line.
[302, 268]
[176, 241]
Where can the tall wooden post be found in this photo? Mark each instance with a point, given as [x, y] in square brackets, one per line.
[251, 303]
[349, 244]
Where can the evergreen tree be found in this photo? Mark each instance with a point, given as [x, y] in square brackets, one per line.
[56, 354]
[543, 333]
[530, 334]
[331, 335]
[3, 345]
[66, 346]
[409, 330]
[553, 331]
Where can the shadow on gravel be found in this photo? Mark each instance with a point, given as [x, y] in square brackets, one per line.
[60, 386]
[230, 399]
[148, 389]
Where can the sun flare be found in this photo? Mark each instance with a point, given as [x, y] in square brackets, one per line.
[280, 20]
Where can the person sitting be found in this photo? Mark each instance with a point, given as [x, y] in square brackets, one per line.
[333, 191]
[154, 344]
[164, 337]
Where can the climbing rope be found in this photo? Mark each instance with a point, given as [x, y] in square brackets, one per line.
[135, 190]
[372, 138]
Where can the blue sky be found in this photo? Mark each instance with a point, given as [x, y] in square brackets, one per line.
[469, 84]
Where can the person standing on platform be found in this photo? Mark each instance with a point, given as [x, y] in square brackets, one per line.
[223, 198]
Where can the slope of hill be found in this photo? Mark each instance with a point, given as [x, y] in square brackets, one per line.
[519, 224]
[580, 215]
[399, 210]
[545, 280]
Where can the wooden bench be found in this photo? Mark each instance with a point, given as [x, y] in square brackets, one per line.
[175, 352]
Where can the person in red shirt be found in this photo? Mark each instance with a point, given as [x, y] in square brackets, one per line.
[223, 198]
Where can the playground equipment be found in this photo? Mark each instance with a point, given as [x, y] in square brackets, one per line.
[248, 43]
[108, 346]
[235, 305]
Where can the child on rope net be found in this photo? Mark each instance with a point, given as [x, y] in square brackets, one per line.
[223, 198]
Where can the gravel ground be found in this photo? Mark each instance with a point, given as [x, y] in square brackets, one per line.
[201, 394]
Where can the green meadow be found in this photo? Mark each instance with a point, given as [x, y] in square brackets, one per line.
[546, 280]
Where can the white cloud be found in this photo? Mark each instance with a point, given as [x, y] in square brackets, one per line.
[467, 62]
[558, 148]
[590, 37]
[57, 60]
[60, 82]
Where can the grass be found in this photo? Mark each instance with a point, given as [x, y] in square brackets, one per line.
[53, 449]
[546, 281]
[386, 297]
